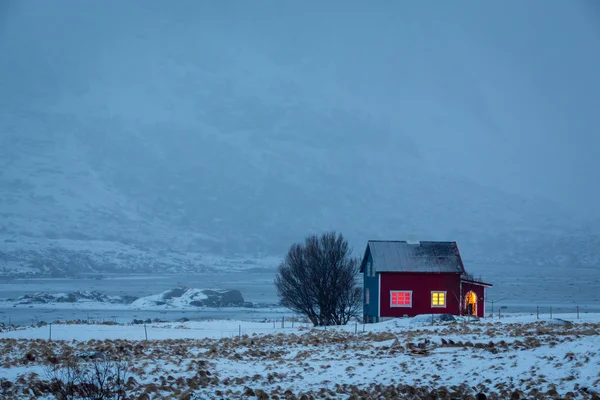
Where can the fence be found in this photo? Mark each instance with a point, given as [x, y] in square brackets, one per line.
[150, 329]
[90, 329]
[544, 312]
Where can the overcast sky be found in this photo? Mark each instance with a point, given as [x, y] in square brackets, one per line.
[507, 94]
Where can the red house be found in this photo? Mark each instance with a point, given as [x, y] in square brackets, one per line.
[411, 278]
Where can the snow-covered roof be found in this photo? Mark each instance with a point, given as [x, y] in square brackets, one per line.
[401, 256]
[476, 283]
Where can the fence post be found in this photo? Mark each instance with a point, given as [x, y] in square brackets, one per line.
[50, 335]
[577, 312]
[145, 331]
[283, 322]
[240, 331]
[356, 327]
[363, 326]
[550, 311]
[8, 321]
[538, 312]
[499, 316]
[431, 319]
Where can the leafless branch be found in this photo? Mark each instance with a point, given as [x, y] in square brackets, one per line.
[318, 279]
[88, 380]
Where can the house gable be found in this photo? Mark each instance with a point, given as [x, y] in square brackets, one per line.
[371, 293]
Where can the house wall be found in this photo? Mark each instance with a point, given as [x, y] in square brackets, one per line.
[370, 283]
[480, 292]
[421, 285]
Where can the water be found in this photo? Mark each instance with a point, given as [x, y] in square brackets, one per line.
[256, 287]
[524, 288]
[518, 288]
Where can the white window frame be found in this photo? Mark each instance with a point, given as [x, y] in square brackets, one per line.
[445, 298]
[401, 305]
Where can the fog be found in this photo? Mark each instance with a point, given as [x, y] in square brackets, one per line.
[242, 126]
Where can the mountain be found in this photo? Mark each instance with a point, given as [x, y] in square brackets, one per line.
[189, 131]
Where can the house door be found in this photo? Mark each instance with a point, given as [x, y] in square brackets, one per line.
[471, 303]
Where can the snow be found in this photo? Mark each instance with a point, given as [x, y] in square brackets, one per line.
[168, 297]
[182, 298]
[86, 176]
[25, 256]
[515, 353]
[218, 328]
[214, 329]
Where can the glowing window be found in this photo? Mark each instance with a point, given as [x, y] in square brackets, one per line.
[400, 298]
[438, 299]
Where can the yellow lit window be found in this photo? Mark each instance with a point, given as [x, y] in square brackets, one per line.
[438, 299]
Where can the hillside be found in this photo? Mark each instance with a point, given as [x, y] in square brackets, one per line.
[139, 200]
[192, 131]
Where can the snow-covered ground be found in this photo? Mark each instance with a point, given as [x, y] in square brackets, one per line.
[546, 358]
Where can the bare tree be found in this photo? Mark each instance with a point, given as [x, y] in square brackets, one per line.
[94, 380]
[318, 279]
[64, 379]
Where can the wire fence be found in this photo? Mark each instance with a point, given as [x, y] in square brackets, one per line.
[544, 312]
[156, 328]
[89, 319]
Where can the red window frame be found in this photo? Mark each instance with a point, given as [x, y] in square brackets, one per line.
[400, 298]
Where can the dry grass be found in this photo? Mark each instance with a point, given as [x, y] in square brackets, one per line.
[193, 369]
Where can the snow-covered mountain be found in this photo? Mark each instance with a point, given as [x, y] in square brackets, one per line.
[189, 129]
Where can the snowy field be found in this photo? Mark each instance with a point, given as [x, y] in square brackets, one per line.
[402, 358]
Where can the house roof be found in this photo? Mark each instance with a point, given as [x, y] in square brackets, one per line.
[401, 256]
[476, 283]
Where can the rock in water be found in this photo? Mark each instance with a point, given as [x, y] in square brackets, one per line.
[185, 297]
[222, 298]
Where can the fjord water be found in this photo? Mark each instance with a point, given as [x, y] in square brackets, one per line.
[518, 288]
[255, 287]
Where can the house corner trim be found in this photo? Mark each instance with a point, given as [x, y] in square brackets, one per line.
[380, 295]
